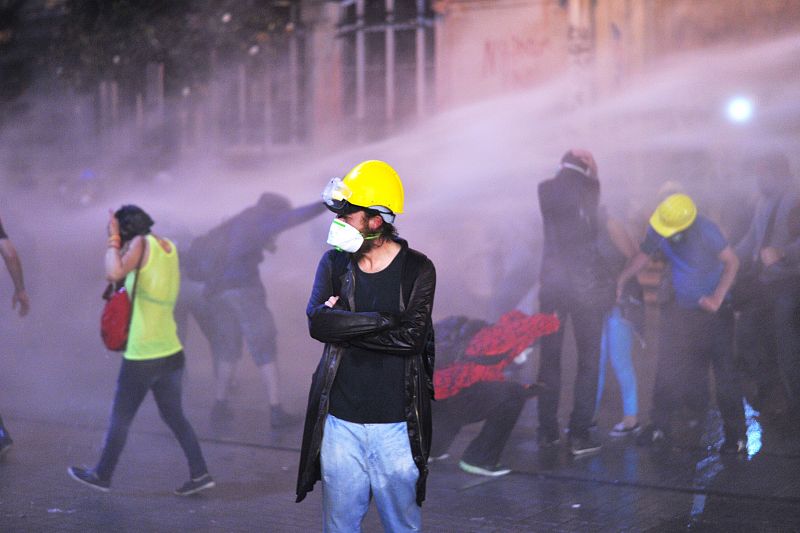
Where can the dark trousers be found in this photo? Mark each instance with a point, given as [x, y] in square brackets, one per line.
[756, 351]
[499, 403]
[690, 341]
[136, 378]
[786, 320]
[587, 325]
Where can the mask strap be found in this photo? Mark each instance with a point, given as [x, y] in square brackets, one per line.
[577, 168]
[371, 236]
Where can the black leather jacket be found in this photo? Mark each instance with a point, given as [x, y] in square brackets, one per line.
[571, 261]
[409, 334]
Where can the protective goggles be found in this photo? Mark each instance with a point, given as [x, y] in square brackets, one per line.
[336, 192]
[336, 196]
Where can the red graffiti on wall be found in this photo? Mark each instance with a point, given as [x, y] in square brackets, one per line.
[516, 59]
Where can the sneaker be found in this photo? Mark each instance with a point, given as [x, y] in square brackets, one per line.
[432, 459]
[733, 446]
[88, 478]
[652, 435]
[621, 430]
[548, 439]
[483, 470]
[281, 419]
[579, 446]
[194, 486]
[5, 443]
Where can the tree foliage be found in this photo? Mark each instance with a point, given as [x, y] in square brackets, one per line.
[116, 39]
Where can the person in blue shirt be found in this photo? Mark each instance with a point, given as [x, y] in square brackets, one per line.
[227, 260]
[696, 327]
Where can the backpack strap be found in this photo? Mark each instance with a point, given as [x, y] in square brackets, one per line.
[136, 282]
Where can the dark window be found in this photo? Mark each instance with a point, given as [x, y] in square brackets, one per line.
[374, 69]
[374, 12]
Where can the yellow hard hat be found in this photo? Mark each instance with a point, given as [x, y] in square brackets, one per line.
[370, 184]
[676, 213]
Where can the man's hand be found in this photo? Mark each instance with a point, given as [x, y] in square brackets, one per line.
[21, 298]
[771, 255]
[332, 301]
[710, 304]
[113, 224]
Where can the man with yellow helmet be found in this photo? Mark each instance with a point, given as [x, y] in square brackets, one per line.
[368, 423]
[696, 327]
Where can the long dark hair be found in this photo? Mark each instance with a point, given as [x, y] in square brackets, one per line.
[133, 221]
[387, 231]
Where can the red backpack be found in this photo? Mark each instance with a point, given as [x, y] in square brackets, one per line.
[115, 322]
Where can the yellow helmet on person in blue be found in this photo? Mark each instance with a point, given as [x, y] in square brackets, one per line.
[676, 213]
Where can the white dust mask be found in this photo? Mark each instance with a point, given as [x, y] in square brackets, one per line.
[345, 237]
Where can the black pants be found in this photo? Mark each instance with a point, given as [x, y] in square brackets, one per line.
[690, 341]
[786, 316]
[587, 324]
[136, 378]
[756, 351]
[499, 403]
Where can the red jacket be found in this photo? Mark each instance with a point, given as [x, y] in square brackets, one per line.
[491, 350]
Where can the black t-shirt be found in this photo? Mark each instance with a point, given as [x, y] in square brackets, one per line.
[368, 388]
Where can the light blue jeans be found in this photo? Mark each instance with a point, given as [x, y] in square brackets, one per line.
[362, 461]
[617, 345]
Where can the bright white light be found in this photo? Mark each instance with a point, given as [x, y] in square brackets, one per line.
[740, 109]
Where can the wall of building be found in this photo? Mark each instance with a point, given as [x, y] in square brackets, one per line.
[488, 47]
[682, 25]
[632, 35]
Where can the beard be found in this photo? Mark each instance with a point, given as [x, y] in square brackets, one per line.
[369, 244]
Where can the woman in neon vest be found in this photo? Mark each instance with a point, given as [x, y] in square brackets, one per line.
[153, 357]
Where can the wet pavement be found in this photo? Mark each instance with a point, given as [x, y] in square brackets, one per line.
[623, 488]
[55, 397]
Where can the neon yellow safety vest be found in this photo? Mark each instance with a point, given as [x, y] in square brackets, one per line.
[153, 333]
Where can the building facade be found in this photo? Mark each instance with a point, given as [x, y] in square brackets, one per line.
[375, 66]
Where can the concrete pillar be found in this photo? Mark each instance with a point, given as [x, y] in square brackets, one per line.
[139, 112]
[420, 60]
[154, 90]
[390, 64]
[114, 102]
[323, 74]
[267, 90]
[580, 48]
[294, 94]
[361, 96]
[242, 115]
